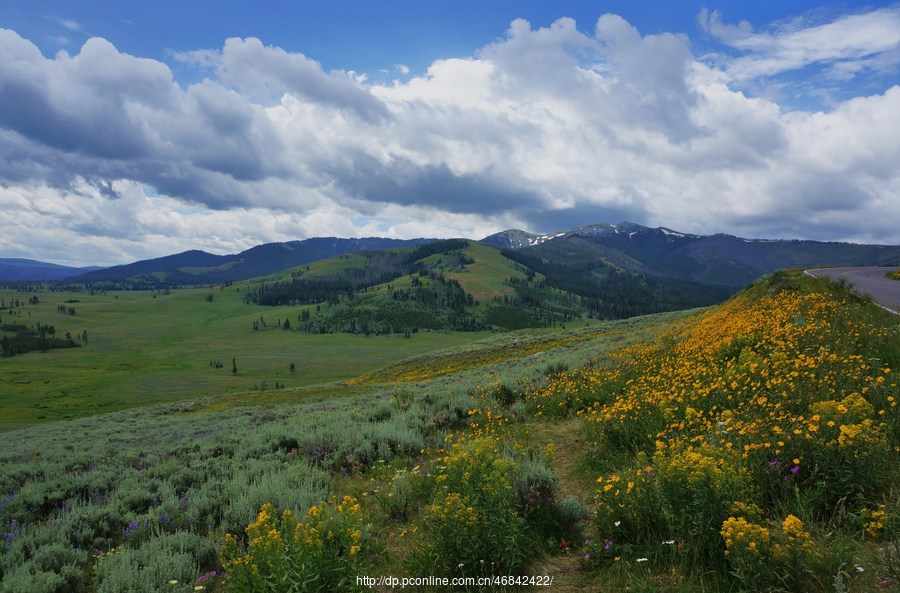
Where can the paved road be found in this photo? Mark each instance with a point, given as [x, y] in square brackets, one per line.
[870, 281]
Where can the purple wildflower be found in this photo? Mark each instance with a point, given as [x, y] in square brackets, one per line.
[130, 530]
[208, 575]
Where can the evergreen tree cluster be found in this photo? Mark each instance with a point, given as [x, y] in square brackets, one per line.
[12, 303]
[611, 293]
[535, 303]
[431, 302]
[19, 339]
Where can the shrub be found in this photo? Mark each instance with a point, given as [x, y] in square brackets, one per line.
[628, 516]
[697, 487]
[29, 578]
[631, 425]
[849, 452]
[684, 496]
[762, 558]
[293, 485]
[178, 557]
[400, 499]
[472, 524]
[569, 515]
[381, 411]
[572, 392]
[324, 551]
[94, 527]
[537, 499]
[504, 395]
[748, 548]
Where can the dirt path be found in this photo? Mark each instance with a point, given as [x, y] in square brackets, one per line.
[568, 440]
[569, 443]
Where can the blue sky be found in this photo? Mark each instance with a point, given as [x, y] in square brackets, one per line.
[362, 35]
[136, 129]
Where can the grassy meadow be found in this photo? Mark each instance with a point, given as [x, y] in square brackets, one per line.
[484, 277]
[145, 347]
[748, 447]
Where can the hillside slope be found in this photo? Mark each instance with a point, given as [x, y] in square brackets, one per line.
[458, 284]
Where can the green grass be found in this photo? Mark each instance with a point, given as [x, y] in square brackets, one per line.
[145, 347]
[204, 467]
[485, 279]
[505, 357]
[143, 350]
[333, 265]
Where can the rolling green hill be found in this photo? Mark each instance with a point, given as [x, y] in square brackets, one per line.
[136, 347]
[462, 285]
[140, 347]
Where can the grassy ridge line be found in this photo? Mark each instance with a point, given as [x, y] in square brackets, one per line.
[513, 346]
[144, 349]
[323, 267]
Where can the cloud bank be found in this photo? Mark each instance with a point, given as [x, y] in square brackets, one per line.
[106, 157]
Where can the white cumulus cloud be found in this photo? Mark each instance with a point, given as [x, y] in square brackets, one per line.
[544, 129]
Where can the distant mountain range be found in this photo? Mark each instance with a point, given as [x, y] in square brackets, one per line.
[200, 267]
[17, 270]
[515, 239]
[721, 260]
[715, 260]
